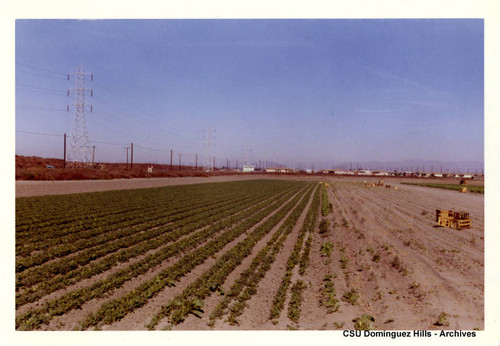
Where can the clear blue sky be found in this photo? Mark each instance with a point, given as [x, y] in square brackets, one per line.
[292, 91]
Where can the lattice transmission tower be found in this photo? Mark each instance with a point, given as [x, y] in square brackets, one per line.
[79, 154]
[209, 143]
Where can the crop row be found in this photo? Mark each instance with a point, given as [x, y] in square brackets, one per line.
[296, 301]
[183, 226]
[118, 308]
[50, 211]
[36, 317]
[328, 294]
[71, 232]
[37, 235]
[326, 206]
[103, 237]
[295, 258]
[245, 286]
[49, 286]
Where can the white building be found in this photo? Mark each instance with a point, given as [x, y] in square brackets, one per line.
[364, 172]
[247, 169]
[279, 170]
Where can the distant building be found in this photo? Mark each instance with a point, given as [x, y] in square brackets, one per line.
[342, 172]
[380, 173]
[247, 169]
[364, 172]
[279, 170]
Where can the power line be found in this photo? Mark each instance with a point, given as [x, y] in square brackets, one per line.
[38, 88]
[40, 91]
[40, 108]
[40, 69]
[133, 116]
[150, 149]
[40, 133]
[171, 130]
[109, 143]
[130, 126]
[39, 74]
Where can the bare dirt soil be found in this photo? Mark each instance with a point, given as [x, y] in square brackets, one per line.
[400, 268]
[405, 270]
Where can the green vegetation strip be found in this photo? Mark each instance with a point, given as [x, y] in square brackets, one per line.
[77, 233]
[35, 213]
[326, 206]
[146, 205]
[295, 258]
[470, 188]
[34, 318]
[296, 301]
[328, 295]
[246, 286]
[45, 287]
[116, 309]
[100, 244]
[64, 265]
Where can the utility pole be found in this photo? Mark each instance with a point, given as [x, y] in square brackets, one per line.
[127, 155]
[79, 153]
[93, 154]
[214, 164]
[196, 163]
[131, 155]
[64, 150]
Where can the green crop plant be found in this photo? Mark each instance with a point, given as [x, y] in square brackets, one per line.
[442, 320]
[396, 263]
[328, 294]
[344, 261]
[324, 226]
[339, 325]
[351, 297]
[326, 249]
[365, 322]
[296, 301]
[326, 206]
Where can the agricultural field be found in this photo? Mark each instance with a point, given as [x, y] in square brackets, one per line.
[249, 255]
[456, 187]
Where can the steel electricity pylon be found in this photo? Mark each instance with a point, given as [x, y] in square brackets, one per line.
[209, 142]
[80, 154]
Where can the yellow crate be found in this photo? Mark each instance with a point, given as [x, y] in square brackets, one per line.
[449, 218]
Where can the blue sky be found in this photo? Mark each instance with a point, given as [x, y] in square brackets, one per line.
[291, 91]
